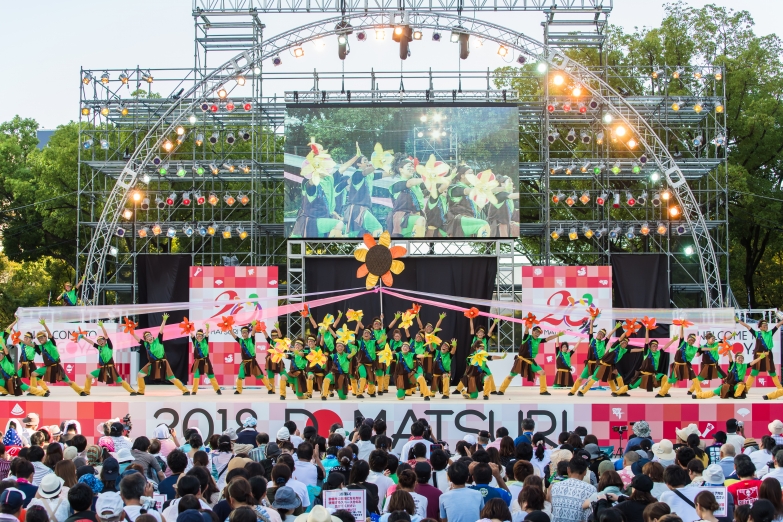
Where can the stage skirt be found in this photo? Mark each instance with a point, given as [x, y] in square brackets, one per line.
[606, 372]
[563, 378]
[107, 373]
[767, 364]
[54, 373]
[727, 391]
[711, 371]
[27, 368]
[203, 367]
[274, 367]
[524, 367]
[683, 371]
[251, 367]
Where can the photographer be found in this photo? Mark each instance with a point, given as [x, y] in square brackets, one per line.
[418, 432]
[136, 493]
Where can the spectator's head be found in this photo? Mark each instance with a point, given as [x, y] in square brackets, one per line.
[344, 516]
[379, 426]
[654, 470]
[399, 516]
[713, 475]
[630, 458]
[727, 450]
[676, 477]
[240, 493]
[141, 443]
[531, 498]
[80, 497]
[522, 470]
[402, 501]
[392, 462]
[36, 454]
[497, 509]
[365, 432]
[528, 425]
[684, 456]
[744, 467]
[762, 510]
[24, 469]
[419, 451]
[507, 447]
[779, 459]
[406, 479]
[335, 440]
[731, 426]
[79, 441]
[770, 490]
[608, 479]
[335, 480]
[482, 437]
[719, 437]
[262, 438]
[653, 512]
[188, 485]
[695, 468]
[359, 472]
[417, 429]
[482, 473]
[524, 451]
[177, 460]
[132, 487]
[37, 439]
[305, 452]
[742, 513]
[439, 460]
[66, 470]
[423, 472]
[611, 515]
[195, 440]
[575, 441]
[11, 501]
[458, 473]
[281, 474]
[377, 461]
[242, 514]
[201, 459]
[642, 487]
[36, 514]
[154, 447]
[188, 502]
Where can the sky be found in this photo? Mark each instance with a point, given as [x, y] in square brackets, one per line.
[46, 43]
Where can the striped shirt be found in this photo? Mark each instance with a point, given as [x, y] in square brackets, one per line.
[41, 470]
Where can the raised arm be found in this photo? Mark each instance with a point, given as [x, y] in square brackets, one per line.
[672, 340]
[418, 320]
[163, 324]
[312, 321]
[337, 319]
[441, 317]
[646, 335]
[16, 320]
[397, 316]
[345, 166]
[453, 346]
[43, 323]
[77, 285]
[492, 327]
[472, 331]
[554, 336]
[592, 324]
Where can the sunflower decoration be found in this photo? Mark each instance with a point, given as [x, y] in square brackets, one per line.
[482, 190]
[385, 355]
[129, 325]
[316, 357]
[649, 322]
[277, 353]
[353, 315]
[431, 338]
[379, 261]
[472, 313]
[345, 335]
[434, 173]
[406, 321]
[478, 358]
[227, 324]
[187, 327]
[318, 164]
[382, 159]
[324, 325]
[631, 327]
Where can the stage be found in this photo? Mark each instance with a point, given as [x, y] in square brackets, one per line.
[451, 418]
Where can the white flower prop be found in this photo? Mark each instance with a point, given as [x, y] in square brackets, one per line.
[482, 187]
[318, 164]
[382, 159]
[433, 173]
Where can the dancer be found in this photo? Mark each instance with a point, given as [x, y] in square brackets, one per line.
[477, 374]
[481, 333]
[655, 364]
[52, 370]
[595, 350]
[365, 363]
[500, 214]
[158, 366]
[763, 344]
[733, 384]
[249, 366]
[10, 383]
[682, 369]
[408, 372]
[428, 328]
[563, 377]
[423, 351]
[273, 368]
[395, 343]
[606, 370]
[358, 210]
[441, 370]
[463, 218]
[201, 361]
[315, 373]
[317, 216]
[340, 373]
[27, 366]
[379, 335]
[710, 360]
[296, 375]
[525, 362]
[326, 335]
[406, 218]
[435, 211]
[107, 372]
[69, 297]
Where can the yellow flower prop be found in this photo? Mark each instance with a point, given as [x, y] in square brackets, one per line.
[326, 323]
[482, 187]
[433, 173]
[345, 335]
[316, 357]
[318, 164]
[478, 358]
[385, 355]
[378, 260]
[277, 353]
[382, 159]
[353, 315]
[407, 320]
[431, 338]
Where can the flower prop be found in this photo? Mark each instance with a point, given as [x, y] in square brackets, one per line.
[382, 159]
[725, 347]
[649, 322]
[406, 320]
[379, 261]
[326, 323]
[530, 321]
[130, 326]
[385, 355]
[187, 327]
[305, 311]
[353, 315]
[16, 337]
[77, 334]
[478, 358]
[318, 164]
[277, 353]
[345, 335]
[472, 313]
[431, 338]
[593, 311]
[316, 357]
[260, 327]
[227, 324]
[283, 343]
[630, 327]
[414, 309]
[682, 322]
[433, 173]
[482, 188]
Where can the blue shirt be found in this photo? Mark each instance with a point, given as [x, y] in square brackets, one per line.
[488, 492]
[166, 487]
[461, 505]
[525, 437]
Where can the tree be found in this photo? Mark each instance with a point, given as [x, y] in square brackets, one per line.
[30, 283]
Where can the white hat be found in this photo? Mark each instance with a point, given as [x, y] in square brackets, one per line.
[713, 474]
[283, 434]
[470, 439]
[124, 455]
[690, 429]
[317, 514]
[109, 505]
[231, 433]
[162, 432]
[664, 450]
[51, 486]
[775, 427]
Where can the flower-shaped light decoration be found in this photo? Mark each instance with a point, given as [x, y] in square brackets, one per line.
[260, 327]
[353, 315]
[345, 335]
[316, 357]
[16, 337]
[187, 327]
[530, 320]
[385, 355]
[379, 261]
[318, 164]
[682, 322]
[382, 159]
[472, 313]
[77, 334]
[129, 325]
[649, 322]
[431, 338]
[305, 311]
[324, 325]
[482, 188]
[478, 358]
[414, 309]
[631, 326]
[227, 323]
[593, 311]
[433, 173]
[406, 321]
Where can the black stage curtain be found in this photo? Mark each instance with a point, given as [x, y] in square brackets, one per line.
[165, 279]
[463, 277]
[640, 281]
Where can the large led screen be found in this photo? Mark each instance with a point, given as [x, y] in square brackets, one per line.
[434, 171]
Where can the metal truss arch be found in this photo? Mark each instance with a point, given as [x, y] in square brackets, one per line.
[244, 63]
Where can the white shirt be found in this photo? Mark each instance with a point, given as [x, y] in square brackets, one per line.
[41, 470]
[776, 473]
[365, 448]
[760, 458]
[132, 513]
[296, 440]
[678, 505]
[306, 473]
[383, 482]
[737, 440]
[419, 500]
[57, 505]
[443, 480]
[301, 489]
[171, 512]
[409, 445]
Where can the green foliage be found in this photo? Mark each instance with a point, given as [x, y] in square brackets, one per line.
[29, 283]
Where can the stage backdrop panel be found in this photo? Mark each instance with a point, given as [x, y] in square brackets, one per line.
[232, 286]
[558, 287]
[373, 138]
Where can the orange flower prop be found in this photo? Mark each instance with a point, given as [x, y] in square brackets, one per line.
[75, 335]
[414, 309]
[187, 327]
[305, 311]
[530, 321]
[16, 337]
[261, 327]
[682, 322]
[130, 326]
[228, 322]
[316, 357]
[471, 313]
[725, 347]
[631, 326]
[649, 322]
[379, 261]
[594, 312]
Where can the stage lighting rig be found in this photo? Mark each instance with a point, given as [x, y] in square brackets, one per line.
[343, 29]
[521, 60]
[458, 35]
[404, 35]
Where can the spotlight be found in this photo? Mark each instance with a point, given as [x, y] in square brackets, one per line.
[676, 74]
[643, 159]
[123, 110]
[205, 107]
[698, 141]
[551, 106]
[230, 106]
[211, 229]
[361, 36]
[598, 169]
[644, 229]
[87, 144]
[144, 232]
[557, 198]
[657, 73]
[180, 130]
[127, 213]
[555, 235]
[630, 199]
[674, 211]
[620, 131]
[571, 136]
[553, 136]
[167, 145]
[227, 232]
[608, 118]
[145, 204]
[85, 111]
[187, 230]
[584, 198]
[615, 233]
[86, 79]
[202, 231]
[558, 79]
[570, 169]
[160, 203]
[229, 166]
[145, 178]
[593, 104]
[171, 232]
[697, 107]
[240, 80]
[120, 232]
[642, 199]
[380, 34]
[567, 106]
[245, 135]
[114, 251]
[600, 233]
[616, 200]
[502, 50]
[244, 168]
[214, 138]
[123, 77]
[584, 167]
[676, 105]
[635, 168]
[681, 230]
[213, 199]
[587, 232]
[242, 232]
[656, 200]
[156, 230]
[230, 139]
[199, 198]
[222, 93]
[164, 169]
[570, 200]
[577, 91]
[229, 199]
[186, 199]
[616, 169]
[521, 59]
[181, 170]
[214, 107]
[105, 110]
[171, 199]
[436, 36]
[665, 195]
[661, 229]
[718, 76]
[199, 140]
[147, 77]
[600, 200]
[244, 199]
[688, 250]
[104, 144]
[599, 138]
[277, 61]
[454, 37]
[572, 235]
[478, 42]
[581, 108]
[541, 67]
[298, 52]
[719, 108]
[247, 106]
[214, 169]
[630, 233]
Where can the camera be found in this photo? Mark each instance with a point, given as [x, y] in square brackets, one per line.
[619, 429]
[357, 421]
[126, 422]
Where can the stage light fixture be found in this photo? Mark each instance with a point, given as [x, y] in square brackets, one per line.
[245, 134]
[698, 141]
[243, 199]
[555, 235]
[167, 145]
[632, 143]
[681, 229]
[554, 169]
[656, 200]
[576, 91]
[593, 104]
[230, 139]
[114, 251]
[557, 198]
[553, 136]
[230, 106]
[171, 232]
[718, 76]
[163, 169]
[620, 130]
[380, 34]
[180, 130]
[585, 137]
[85, 111]
[123, 110]
[676, 74]
[244, 167]
[719, 108]
[521, 59]
[454, 37]
[629, 199]
[147, 77]
[719, 141]
[642, 199]
[616, 168]
[570, 169]
[214, 138]
[630, 234]
[420, 134]
[585, 166]
[551, 106]
[615, 233]
[145, 178]
[600, 200]
[587, 232]
[120, 232]
[502, 51]
[697, 107]
[104, 144]
[598, 169]
[227, 232]
[616, 200]
[599, 138]
[581, 108]
[242, 232]
[214, 107]
[229, 199]
[211, 229]
[86, 79]
[181, 170]
[186, 199]
[205, 107]
[105, 110]
[87, 144]
[145, 204]
[541, 67]
[570, 200]
[127, 213]
[171, 199]
[160, 203]
[199, 198]
[144, 232]
[600, 233]
[123, 77]
[229, 166]
[666, 195]
[644, 229]
[558, 79]
[478, 42]
[187, 230]
[156, 230]
[657, 73]
[677, 105]
[688, 251]
[240, 80]
[202, 231]
[674, 211]
[584, 198]
[222, 93]
[199, 140]
[635, 168]
[661, 229]
[247, 106]
[214, 169]
[567, 106]
[277, 61]
[213, 199]
[571, 136]
[572, 235]
[608, 118]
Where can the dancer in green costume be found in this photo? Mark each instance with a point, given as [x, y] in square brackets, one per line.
[107, 372]
[157, 367]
